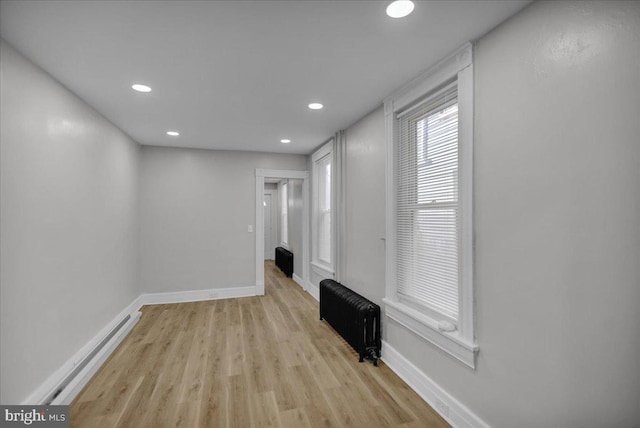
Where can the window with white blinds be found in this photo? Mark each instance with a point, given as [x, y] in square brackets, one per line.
[324, 209]
[427, 205]
[284, 214]
[322, 214]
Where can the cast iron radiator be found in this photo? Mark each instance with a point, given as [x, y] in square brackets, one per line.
[284, 261]
[354, 317]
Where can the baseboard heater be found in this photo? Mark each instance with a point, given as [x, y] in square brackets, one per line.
[354, 317]
[63, 386]
[284, 261]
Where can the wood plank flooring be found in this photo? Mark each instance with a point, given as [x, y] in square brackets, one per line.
[250, 362]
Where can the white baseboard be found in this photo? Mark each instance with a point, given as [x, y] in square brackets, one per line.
[81, 379]
[313, 290]
[197, 295]
[453, 411]
[307, 286]
[50, 385]
[299, 281]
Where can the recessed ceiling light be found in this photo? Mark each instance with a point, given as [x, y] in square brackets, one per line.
[285, 141]
[315, 106]
[140, 87]
[173, 133]
[400, 8]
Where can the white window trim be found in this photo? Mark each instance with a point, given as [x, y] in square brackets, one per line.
[283, 243]
[461, 343]
[319, 265]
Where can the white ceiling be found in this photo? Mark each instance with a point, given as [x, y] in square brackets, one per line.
[238, 75]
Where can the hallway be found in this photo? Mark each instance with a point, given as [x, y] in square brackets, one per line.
[256, 361]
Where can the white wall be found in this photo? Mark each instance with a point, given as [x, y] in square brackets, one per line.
[557, 178]
[68, 224]
[195, 207]
[363, 265]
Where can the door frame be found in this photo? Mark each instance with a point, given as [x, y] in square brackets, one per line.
[261, 174]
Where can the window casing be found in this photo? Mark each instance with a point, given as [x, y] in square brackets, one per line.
[323, 246]
[429, 275]
[324, 210]
[284, 215]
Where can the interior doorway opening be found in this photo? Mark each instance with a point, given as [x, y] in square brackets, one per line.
[293, 213]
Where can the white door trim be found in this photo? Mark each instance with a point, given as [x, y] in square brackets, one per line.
[261, 174]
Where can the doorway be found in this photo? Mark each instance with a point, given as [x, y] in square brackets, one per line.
[262, 176]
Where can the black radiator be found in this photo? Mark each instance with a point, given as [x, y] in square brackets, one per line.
[354, 317]
[284, 261]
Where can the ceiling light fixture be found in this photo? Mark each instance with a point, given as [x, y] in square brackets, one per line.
[400, 8]
[140, 87]
[315, 106]
[285, 141]
[173, 133]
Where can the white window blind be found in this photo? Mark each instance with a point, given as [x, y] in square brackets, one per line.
[284, 214]
[428, 232]
[324, 209]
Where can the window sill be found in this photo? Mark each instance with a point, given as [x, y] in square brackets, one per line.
[322, 269]
[427, 328]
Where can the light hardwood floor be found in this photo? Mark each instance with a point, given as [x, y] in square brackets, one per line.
[249, 362]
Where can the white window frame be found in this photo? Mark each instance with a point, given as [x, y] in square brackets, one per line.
[320, 266]
[284, 213]
[460, 343]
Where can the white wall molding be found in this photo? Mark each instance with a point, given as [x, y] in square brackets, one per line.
[313, 290]
[197, 295]
[427, 328]
[52, 383]
[452, 410]
[307, 286]
[281, 173]
[322, 270]
[298, 280]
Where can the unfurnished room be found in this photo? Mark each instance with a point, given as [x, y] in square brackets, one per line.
[320, 213]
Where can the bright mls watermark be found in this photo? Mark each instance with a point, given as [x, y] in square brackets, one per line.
[34, 416]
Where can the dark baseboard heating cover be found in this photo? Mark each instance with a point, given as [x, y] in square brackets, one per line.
[354, 317]
[284, 261]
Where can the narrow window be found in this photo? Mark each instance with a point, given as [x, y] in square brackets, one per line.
[322, 217]
[429, 239]
[284, 215]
